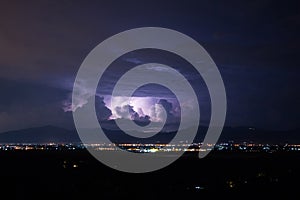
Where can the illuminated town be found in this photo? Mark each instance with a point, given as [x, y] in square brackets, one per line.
[153, 148]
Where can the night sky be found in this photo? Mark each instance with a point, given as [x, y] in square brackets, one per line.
[254, 44]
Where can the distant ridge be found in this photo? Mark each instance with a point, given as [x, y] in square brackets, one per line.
[47, 134]
[249, 134]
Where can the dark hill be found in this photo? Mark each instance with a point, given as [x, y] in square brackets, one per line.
[43, 134]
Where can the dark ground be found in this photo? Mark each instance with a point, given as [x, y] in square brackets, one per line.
[76, 174]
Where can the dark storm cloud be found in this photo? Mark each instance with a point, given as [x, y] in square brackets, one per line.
[167, 106]
[103, 113]
[172, 115]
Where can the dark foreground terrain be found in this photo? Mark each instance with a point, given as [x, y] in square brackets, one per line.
[76, 174]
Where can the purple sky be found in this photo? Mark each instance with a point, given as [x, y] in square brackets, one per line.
[255, 45]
